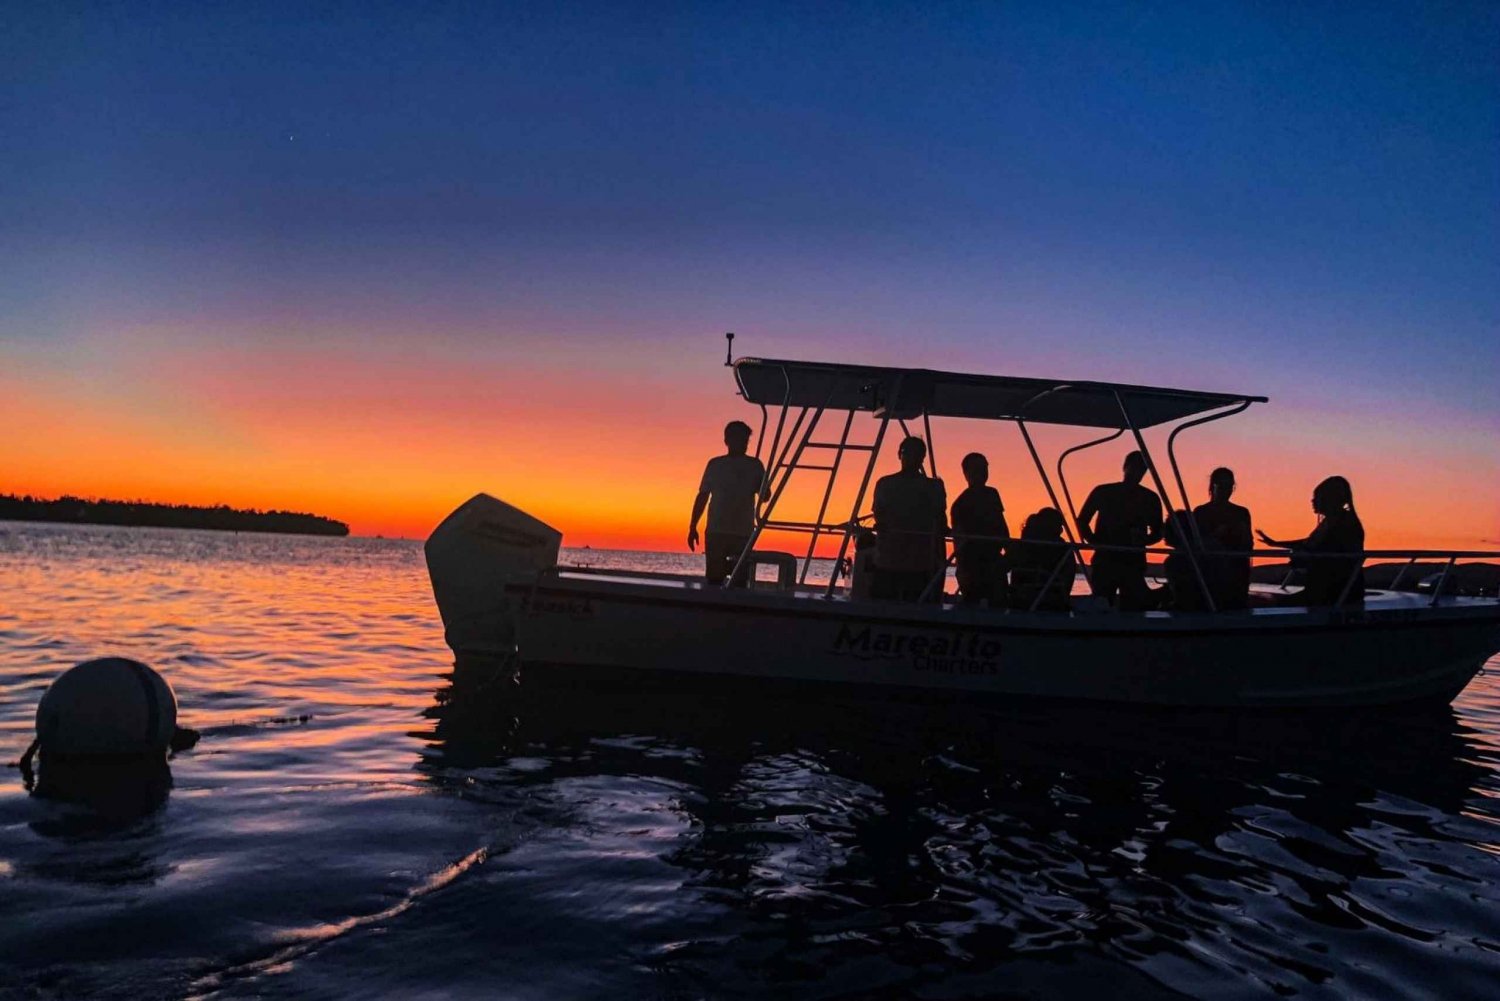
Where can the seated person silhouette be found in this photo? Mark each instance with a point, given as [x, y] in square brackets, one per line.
[729, 487]
[1034, 560]
[1339, 531]
[1182, 592]
[1128, 515]
[1224, 527]
[978, 511]
[911, 525]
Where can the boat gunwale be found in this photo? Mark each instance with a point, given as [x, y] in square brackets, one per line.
[1294, 619]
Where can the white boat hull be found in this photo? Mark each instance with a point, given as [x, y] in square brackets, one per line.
[577, 625]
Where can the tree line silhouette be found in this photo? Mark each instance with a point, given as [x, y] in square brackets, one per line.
[222, 518]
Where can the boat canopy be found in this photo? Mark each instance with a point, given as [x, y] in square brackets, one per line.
[906, 393]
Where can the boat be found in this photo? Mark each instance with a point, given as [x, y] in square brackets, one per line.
[501, 592]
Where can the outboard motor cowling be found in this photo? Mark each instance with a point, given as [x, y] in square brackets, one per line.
[471, 556]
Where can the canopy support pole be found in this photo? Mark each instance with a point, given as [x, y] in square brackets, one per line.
[931, 452]
[786, 469]
[864, 484]
[1187, 505]
[1063, 480]
[1068, 495]
[1047, 482]
[786, 402]
[1161, 489]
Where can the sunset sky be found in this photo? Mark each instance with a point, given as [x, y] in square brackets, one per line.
[366, 260]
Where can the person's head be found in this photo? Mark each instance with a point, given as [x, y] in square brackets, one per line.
[1045, 524]
[912, 453]
[1333, 495]
[737, 437]
[1221, 483]
[976, 469]
[1135, 467]
[1171, 532]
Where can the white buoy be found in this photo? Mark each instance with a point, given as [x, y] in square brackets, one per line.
[105, 707]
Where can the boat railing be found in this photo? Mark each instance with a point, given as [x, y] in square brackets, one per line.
[1070, 551]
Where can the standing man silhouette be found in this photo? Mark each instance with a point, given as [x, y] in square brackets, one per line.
[1129, 515]
[911, 527]
[978, 511]
[729, 487]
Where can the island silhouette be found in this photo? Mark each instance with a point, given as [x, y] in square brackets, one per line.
[87, 511]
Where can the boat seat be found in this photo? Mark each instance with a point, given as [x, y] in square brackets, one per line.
[785, 564]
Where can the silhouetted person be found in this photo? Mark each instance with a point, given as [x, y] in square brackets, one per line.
[1129, 515]
[911, 523]
[1339, 531]
[978, 511]
[1182, 592]
[1225, 527]
[1034, 560]
[730, 484]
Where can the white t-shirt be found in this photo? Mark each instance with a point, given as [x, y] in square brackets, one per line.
[732, 481]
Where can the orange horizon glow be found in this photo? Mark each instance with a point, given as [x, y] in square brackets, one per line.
[391, 445]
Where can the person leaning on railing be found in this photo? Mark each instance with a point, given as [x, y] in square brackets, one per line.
[1038, 556]
[1339, 531]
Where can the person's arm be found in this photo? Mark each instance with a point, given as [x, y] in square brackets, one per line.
[1004, 529]
[958, 527]
[941, 530]
[1154, 522]
[699, 503]
[1243, 540]
[1086, 516]
[1283, 543]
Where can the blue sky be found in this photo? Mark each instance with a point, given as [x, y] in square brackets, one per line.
[1299, 200]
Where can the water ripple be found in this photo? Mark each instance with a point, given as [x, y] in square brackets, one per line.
[357, 818]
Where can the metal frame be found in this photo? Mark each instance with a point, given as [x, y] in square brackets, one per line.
[1172, 453]
[833, 474]
[859, 498]
[1047, 482]
[1161, 489]
[1063, 480]
[789, 445]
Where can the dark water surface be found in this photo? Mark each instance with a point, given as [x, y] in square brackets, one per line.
[353, 824]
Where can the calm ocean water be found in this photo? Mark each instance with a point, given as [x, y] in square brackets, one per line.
[350, 826]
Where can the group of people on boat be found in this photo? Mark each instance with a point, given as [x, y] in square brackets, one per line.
[1036, 569]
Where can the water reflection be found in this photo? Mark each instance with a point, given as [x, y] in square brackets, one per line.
[870, 840]
[103, 819]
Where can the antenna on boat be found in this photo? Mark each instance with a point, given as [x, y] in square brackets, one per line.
[729, 349]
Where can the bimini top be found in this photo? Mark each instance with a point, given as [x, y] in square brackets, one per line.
[906, 393]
